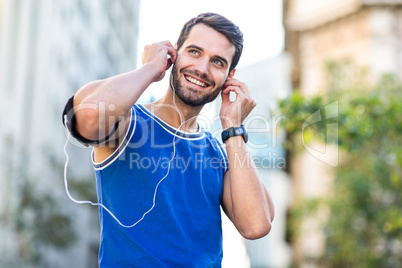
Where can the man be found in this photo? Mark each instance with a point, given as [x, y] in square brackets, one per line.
[162, 177]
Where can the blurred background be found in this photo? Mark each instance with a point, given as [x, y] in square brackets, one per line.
[326, 135]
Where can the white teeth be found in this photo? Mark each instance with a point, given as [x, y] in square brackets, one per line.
[195, 81]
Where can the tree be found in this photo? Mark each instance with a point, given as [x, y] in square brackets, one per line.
[364, 225]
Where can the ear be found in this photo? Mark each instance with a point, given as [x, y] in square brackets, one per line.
[232, 73]
[175, 45]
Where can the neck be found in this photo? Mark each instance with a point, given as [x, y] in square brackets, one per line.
[174, 112]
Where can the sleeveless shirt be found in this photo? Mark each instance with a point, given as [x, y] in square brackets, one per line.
[183, 228]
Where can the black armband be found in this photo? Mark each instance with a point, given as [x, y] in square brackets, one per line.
[69, 121]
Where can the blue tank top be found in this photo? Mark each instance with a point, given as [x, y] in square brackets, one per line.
[184, 227]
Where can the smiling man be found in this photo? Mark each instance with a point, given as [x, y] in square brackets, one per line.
[161, 176]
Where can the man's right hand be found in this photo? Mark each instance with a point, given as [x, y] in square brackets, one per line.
[161, 55]
[111, 99]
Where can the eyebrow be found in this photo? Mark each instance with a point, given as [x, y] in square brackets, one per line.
[200, 49]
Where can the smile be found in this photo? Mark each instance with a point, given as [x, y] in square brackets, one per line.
[195, 81]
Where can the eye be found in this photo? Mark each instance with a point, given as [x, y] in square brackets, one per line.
[217, 62]
[194, 52]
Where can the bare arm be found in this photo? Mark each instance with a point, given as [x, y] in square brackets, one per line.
[246, 201]
[100, 104]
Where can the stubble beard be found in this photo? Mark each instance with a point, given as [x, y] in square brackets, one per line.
[188, 95]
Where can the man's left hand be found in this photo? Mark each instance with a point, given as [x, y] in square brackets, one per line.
[232, 114]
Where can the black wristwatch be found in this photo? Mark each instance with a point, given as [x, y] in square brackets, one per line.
[233, 132]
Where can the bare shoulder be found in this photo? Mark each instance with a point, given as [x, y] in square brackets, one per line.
[103, 151]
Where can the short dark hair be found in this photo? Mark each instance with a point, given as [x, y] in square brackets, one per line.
[220, 24]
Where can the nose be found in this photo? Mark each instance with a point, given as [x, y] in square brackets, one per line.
[202, 66]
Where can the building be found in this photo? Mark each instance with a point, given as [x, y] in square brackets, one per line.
[367, 32]
[48, 50]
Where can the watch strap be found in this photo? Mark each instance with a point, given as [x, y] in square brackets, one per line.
[233, 132]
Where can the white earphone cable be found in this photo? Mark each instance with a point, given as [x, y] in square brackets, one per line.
[157, 185]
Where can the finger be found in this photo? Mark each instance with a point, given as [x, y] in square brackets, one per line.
[242, 98]
[225, 94]
[168, 64]
[171, 51]
[246, 101]
[241, 85]
[232, 82]
[165, 43]
[237, 90]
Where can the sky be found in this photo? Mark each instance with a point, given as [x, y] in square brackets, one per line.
[259, 20]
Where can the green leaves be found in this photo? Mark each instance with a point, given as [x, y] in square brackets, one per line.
[364, 226]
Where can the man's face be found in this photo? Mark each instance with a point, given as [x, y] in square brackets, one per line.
[202, 66]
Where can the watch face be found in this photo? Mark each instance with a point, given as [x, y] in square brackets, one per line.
[231, 132]
[239, 131]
